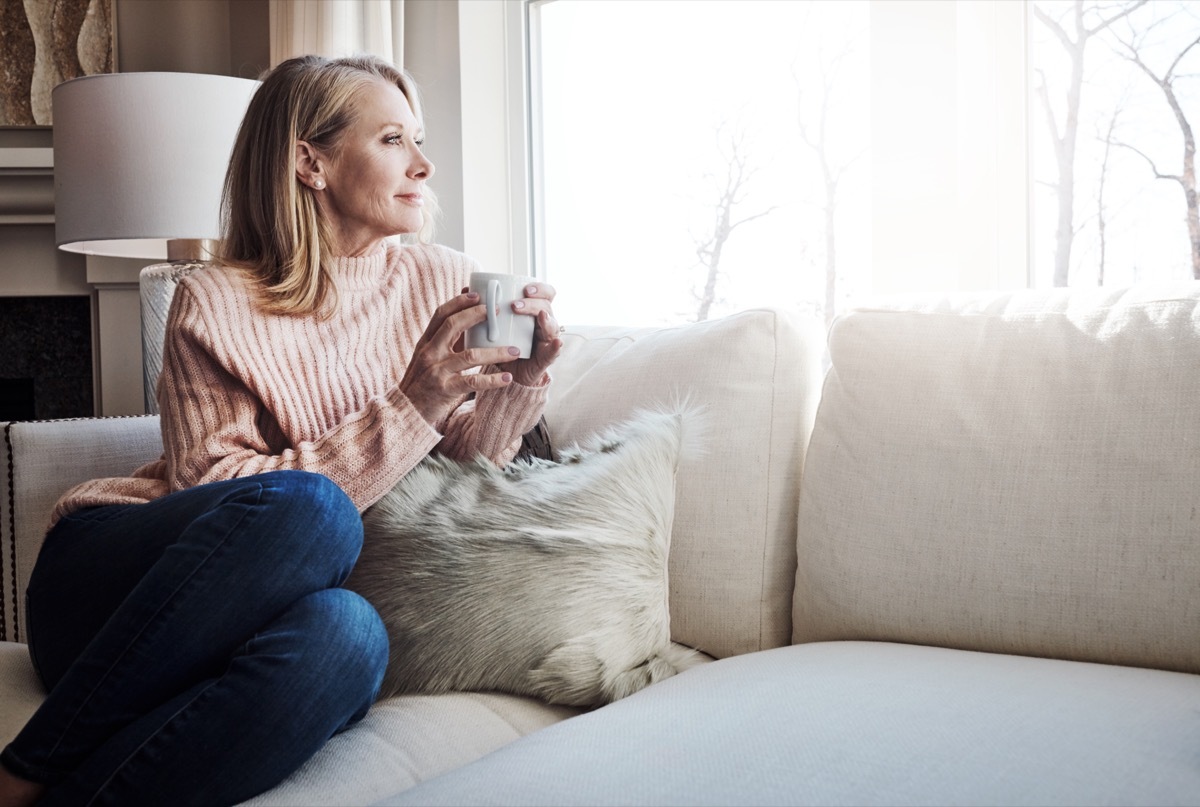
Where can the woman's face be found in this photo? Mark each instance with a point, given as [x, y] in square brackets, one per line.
[375, 176]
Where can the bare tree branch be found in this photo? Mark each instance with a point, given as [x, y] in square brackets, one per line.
[1064, 134]
[832, 170]
[1149, 161]
[1108, 22]
[1101, 215]
[730, 194]
[1043, 94]
[1184, 52]
[1054, 27]
[1187, 176]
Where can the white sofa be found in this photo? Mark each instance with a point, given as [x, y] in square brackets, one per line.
[971, 576]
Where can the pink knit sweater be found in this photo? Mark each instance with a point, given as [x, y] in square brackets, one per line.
[243, 392]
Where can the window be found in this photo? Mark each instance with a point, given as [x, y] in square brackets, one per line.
[1115, 94]
[696, 157]
[683, 147]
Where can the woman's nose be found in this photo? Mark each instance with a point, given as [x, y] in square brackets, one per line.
[421, 168]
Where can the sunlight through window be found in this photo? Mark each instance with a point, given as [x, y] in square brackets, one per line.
[698, 157]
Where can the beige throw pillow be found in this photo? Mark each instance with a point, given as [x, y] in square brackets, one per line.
[543, 579]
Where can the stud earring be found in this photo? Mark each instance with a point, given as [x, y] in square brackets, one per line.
[318, 183]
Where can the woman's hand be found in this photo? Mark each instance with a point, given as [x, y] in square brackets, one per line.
[546, 341]
[437, 377]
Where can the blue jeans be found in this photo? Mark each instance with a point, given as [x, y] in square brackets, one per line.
[197, 649]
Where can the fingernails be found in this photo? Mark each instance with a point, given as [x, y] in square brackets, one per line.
[507, 377]
[514, 351]
[472, 295]
[519, 305]
[531, 289]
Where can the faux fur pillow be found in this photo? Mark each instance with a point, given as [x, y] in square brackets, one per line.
[543, 579]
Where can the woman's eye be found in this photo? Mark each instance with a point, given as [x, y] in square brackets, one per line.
[393, 139]
[420, 143]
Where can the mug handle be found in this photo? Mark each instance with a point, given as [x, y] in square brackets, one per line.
[493, 310]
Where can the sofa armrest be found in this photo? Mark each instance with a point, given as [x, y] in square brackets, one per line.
[40, 461]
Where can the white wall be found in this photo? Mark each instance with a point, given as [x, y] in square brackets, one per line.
[431, 55]
[461, 52]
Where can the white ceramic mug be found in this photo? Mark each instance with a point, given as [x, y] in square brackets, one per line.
[503, 326]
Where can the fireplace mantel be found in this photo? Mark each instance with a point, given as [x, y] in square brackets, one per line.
[27, 185]
[26, 175]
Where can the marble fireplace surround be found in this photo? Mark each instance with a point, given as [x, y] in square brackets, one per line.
[30, 265]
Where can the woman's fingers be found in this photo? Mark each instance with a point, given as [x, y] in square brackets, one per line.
[481, 382]
[548, 326]
[440, 328]
[540, 306]
[453, 318]
[540, 290]
[547, 345]
[443, 370]
[533, 306]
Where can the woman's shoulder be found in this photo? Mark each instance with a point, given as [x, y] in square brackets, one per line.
[212, 293]
[214, 281]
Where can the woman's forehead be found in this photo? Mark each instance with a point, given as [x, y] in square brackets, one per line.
[381, 103]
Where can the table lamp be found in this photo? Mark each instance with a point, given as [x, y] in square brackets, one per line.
[139, 165]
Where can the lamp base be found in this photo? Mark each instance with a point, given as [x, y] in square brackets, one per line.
[191, 249]
[157, 286]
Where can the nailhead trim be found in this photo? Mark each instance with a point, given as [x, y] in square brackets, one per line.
[12, 543]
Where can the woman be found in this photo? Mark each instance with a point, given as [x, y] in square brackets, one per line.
[188, 621]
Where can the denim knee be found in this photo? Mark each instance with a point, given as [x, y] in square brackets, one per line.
[313, 521]
[342, 650]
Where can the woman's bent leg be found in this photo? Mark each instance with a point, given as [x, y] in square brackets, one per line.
[314, 670]
[223, 561]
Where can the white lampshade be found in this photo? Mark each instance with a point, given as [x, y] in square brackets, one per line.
[140, 158]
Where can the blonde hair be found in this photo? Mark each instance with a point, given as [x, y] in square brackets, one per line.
[271, 226]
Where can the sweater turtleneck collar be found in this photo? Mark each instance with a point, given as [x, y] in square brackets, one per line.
[362, 273]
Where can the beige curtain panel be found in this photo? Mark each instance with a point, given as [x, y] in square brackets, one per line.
[337, 28]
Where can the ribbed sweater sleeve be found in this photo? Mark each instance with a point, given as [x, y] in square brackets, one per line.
[213, 423]
[493, 424]
[243, 392]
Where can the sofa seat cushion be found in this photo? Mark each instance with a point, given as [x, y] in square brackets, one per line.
[401, 741]
[20, 690]
[860, 723]
[407, 739]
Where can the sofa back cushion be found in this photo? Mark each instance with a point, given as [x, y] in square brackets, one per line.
[756, 375]
[1015, 474]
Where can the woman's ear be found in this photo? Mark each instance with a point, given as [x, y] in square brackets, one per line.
[308, 166]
